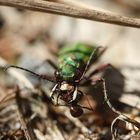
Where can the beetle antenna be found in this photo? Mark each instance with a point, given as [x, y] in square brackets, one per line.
[44, 77]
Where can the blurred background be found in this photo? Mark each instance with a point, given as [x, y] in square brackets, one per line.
[27, 38]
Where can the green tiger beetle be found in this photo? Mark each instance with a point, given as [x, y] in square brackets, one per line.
[74, 62]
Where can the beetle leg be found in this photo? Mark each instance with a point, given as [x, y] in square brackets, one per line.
[52, 92]
[106, 98]
[52, 95]
[74, 95]
[99, 69]
[80, 95]
[50, 62]
[69, 105]
[57, 99]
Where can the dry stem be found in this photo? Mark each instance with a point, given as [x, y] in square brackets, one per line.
[71, 9]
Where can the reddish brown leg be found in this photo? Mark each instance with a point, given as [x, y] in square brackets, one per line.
[51, 63]
[100, 69]
[87, 80]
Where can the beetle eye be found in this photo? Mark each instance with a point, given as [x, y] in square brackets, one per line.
[76, 111]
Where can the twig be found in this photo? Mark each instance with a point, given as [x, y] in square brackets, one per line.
[54, 131]
[39, 134]
[7, 97]
[27, 130]
[124, 119]
[68, 8]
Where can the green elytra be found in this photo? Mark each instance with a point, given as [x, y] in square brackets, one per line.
[73, 60]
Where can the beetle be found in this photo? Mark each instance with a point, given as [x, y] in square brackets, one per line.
[73, 63]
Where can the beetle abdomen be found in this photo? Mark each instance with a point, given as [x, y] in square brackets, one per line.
[73, 59]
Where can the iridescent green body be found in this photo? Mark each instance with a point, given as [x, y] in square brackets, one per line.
[73, 60]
